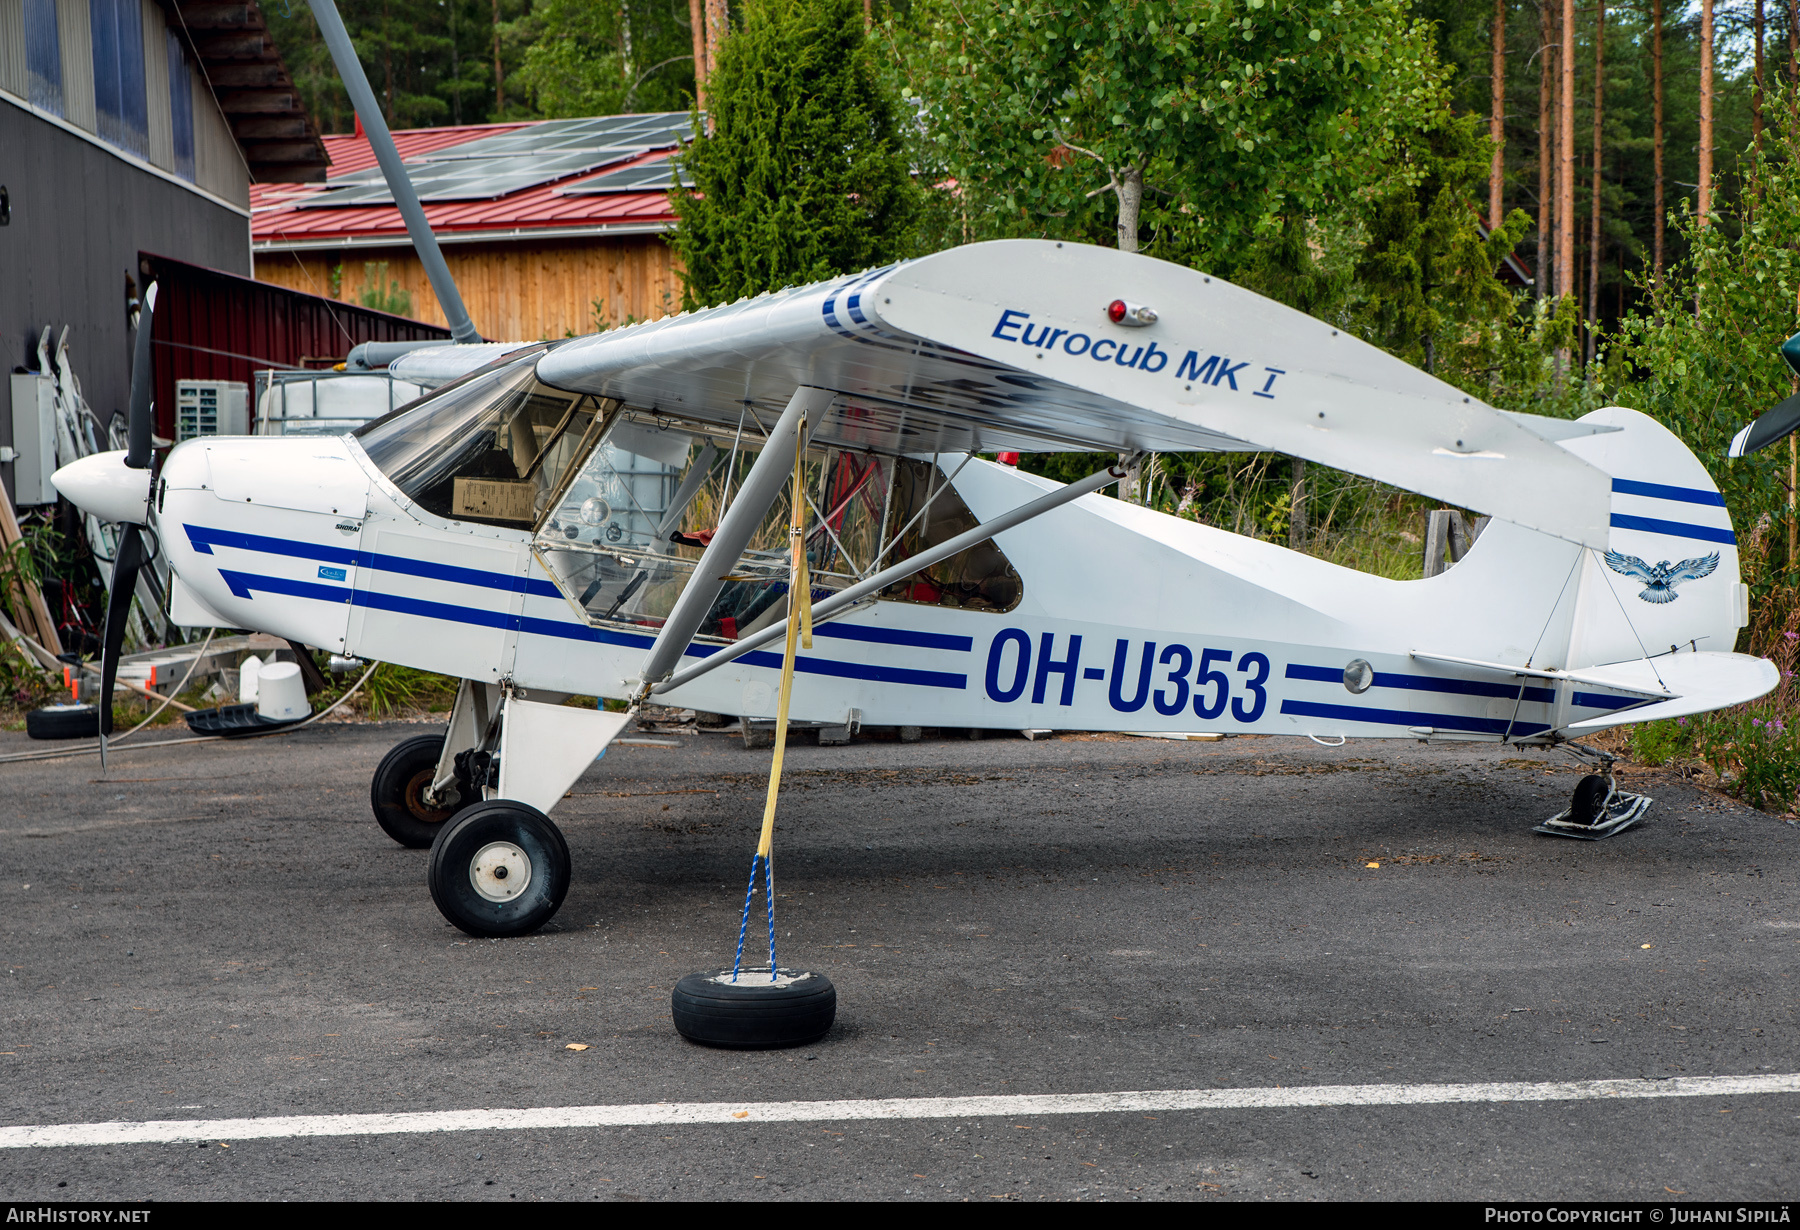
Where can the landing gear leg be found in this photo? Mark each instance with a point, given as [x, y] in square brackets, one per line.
[1599, 809]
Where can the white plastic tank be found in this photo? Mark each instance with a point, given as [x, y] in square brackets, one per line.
[328, 403]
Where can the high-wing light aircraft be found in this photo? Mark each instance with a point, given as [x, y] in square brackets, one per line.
[609, 516]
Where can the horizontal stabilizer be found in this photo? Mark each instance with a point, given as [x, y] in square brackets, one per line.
[1701, 681]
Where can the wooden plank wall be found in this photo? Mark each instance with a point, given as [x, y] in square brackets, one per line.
[514, 291]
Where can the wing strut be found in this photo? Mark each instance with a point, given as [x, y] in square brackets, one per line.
[846, 598]
[761, 487]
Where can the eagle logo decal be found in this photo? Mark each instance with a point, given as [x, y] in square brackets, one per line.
[1661, 579]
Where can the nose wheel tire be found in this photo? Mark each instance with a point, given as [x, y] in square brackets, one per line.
[754, 1013]
[397, 793]
[499, 869]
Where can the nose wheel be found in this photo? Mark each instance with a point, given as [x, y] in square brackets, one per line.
[398, 793]
[499, 869]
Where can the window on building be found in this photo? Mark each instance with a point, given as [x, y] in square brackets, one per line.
[43, 56]
[181, 107]
[119, 102]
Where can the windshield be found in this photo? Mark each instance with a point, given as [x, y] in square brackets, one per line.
[493, 447]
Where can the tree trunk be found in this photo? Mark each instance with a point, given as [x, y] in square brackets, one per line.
[1131, 201]
[1565, 157]
[1566, 168]
[1756, 95]
[1656, 72]
[1547, 144]
[499, 69]
[697, 21]
[1703, 208]
[387, 68]
[1497, 121]
[1593, 312]
[1298, 530]
[626, 55]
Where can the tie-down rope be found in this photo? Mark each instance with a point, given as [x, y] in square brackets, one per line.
[799, 629]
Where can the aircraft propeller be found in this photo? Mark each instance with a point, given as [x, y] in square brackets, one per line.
[1777, 423]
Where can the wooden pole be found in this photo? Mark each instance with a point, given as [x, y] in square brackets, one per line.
[27, 599]
[1497, 120]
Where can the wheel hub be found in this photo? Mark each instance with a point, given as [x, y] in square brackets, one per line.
[500, 871]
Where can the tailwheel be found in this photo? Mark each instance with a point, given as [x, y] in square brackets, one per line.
[499, 869]
[398, 792]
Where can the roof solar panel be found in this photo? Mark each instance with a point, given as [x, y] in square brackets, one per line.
[495, 166]
[658, 176]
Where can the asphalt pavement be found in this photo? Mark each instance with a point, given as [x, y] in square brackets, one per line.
[221, 931]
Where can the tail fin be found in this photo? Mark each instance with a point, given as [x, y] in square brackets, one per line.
[1670, 574]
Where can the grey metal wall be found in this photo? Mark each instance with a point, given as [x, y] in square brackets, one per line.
[80, 216]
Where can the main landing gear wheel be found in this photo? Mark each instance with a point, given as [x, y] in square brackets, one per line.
[397, 793]
[754, 1013]
[499, 869]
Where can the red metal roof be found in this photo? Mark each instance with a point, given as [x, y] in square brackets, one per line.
[278, 223]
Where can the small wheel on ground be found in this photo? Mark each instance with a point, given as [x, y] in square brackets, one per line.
[397, 793]
[63, 722]
[754, 1013]
[499, 869]
[1589, 804]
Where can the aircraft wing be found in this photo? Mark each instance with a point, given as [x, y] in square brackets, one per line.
[1008, 346]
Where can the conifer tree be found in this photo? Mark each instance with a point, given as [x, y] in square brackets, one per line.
[804, 175]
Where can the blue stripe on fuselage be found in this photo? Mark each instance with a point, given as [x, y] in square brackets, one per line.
[243, 584]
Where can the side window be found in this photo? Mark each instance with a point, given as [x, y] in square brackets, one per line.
[927, 511]
[623, 536]
[495, 448]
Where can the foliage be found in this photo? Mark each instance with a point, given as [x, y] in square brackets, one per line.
[803, 175]
[390, 298]
[1225, 118]
[1704, 358]
[394, 689]
[1426, 275]
[601, 59]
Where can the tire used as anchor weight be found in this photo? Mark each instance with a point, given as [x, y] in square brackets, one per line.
[754, 1013]
[397, 793]
[499, 869]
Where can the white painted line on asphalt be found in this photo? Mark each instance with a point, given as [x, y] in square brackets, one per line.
[656, 1114]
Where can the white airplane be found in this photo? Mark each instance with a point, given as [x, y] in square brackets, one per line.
[608, 516]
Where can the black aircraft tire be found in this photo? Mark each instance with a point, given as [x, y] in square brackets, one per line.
[397, 793]
[499, 869]
[1588, 806]
[64, 722]
[752, 1014]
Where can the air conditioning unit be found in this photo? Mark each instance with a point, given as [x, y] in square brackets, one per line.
[211, 408]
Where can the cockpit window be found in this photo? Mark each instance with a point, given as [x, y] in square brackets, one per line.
[623, 536]
[492, 448]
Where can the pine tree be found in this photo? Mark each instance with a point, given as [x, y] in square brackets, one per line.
[803, 176]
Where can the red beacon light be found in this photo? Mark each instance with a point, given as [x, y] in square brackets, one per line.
[1132, 315]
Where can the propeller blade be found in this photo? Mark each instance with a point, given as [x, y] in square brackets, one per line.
[118, 608]
[1770, 426]
[143, 388]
